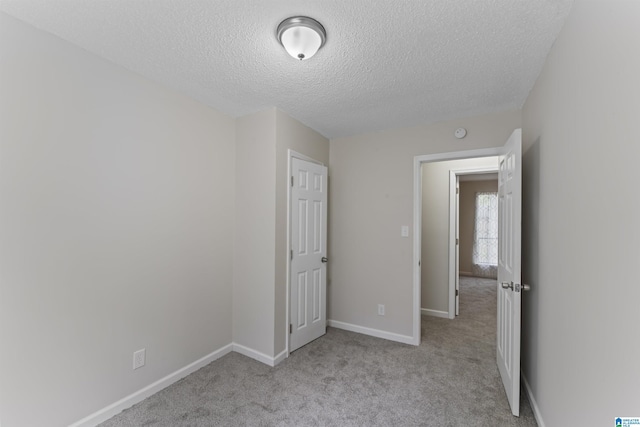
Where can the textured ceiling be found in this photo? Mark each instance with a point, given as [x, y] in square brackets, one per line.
[386, 63]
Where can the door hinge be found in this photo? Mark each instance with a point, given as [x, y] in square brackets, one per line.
[457, 190]
[457, 292]
[290, 328]
[291, 253]
[457, 241]
[292, 180]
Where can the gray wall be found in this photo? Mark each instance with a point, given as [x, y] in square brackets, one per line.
[468, 190]
[435, 228]
[262, 181]
[116, 221]
[290, 134]
[581, 343]
[370, 198]
[254, 249]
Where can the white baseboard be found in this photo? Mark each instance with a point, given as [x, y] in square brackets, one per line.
[122, 404]
[260, 357]
[280, 357]
[434, 313]
[127, 402]
[532, 401]
[372, 332]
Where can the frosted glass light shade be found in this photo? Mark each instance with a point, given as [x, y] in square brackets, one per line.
[301, 42]
[301, 36]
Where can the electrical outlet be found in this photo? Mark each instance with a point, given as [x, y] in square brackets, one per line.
[380, 309]
[138, 359]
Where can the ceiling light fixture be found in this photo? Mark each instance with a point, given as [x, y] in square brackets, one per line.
[301, 36]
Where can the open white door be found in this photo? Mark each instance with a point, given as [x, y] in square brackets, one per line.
[457, 278]
[509, 274]
[308, 251]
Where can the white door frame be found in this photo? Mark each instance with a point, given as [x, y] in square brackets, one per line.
[417, 218]
[454, 210]
[291, 154]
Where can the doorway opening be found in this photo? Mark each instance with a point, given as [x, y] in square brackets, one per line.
[473, 228]
[418, 207]
[509, 255]
[445, 240]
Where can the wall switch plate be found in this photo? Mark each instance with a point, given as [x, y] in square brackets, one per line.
[139, 359]
[404, 231]
[380, 309]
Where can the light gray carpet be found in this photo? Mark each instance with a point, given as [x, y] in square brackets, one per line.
[348, 379]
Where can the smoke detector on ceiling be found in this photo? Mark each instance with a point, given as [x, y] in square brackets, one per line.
[460, 133]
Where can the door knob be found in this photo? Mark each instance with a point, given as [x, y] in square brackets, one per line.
[526, 287]
[507, 285]
[324, 259]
